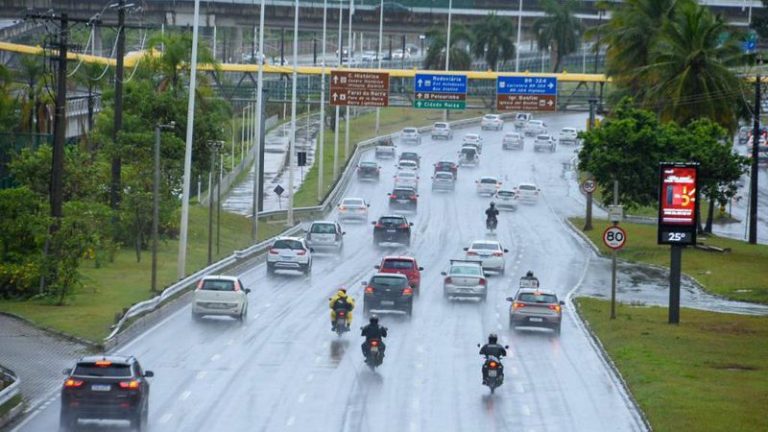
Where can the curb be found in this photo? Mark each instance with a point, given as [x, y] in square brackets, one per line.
[12, 415]
[94, 346]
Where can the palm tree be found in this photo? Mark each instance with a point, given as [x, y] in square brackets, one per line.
[35, 101]
[174, 60]
[493, 40]
[460, 59]
[8, 117]
[689, 75]
[559, 31]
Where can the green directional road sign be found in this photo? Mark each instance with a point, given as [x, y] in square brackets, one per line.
[441, 105]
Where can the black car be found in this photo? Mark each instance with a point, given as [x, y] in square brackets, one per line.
[105, 388]
[388, 291]
[368, 171]
[403, 199]
[392, 229]
[412, 156]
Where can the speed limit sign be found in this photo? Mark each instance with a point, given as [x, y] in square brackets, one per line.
[614, 237]
[589, 186]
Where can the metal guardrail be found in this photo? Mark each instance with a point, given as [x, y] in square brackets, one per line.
[12, 390]
[329, 202]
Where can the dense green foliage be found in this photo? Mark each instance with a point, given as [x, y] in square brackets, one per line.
[559, 31]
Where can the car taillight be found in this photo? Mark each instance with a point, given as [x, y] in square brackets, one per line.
[408, 291]
[369, 290]
[471, 253]
[517, 305]
[493, 365]
[448, 280]
[374, 343]
[342, 209]
[273, 251]
[129, 385]
[498, 254]
[199, 285]
[555, 307]
[392, 196]
[413, 198]
[482, 282]
[73, 383]
[378, 225]
[404, 225]
[301, 252]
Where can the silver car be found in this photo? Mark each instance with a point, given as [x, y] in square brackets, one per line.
[521, 119]
[533, 307]
[545, 142]
[506, 199]
[407, 179]
[512, 141]
[353, 209]
[410, 135]
[465, 279]
[442, 130]
[443, 180]
[535, 127]
[220, 295]
[325, 235]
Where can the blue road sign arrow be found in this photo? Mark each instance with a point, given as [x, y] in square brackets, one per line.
[526, 85]
[440, 83]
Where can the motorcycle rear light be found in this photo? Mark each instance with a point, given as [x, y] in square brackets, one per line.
[408, 291]
[517, 305]
[342, 313]
[273, 251]
[555, 307]
[73, 383]
[375, 343]
[493, 365]
[129, 385]
[369, 290]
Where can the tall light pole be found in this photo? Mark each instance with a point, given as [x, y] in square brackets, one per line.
[519, 36]
[349, 65]
[378, 56]
[321, 150]
[182, 259]
[336, 123]
[292, 136]
[447, 49]
[257, 159]
[214, 147]
[156, 200]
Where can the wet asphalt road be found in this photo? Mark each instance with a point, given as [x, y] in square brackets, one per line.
[284, 370]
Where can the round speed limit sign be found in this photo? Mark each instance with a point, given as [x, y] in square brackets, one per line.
[589, 186]
[614, 237]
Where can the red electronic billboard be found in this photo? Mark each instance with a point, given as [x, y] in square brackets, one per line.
[678, 194]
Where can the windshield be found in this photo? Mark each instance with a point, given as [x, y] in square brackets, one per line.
[485, 246]
[288, 244]
[403, 193]
[406, 175]
[465, 270]
[409, 155]
[389, 281]
[543, 137]
[323, 229]
[391, 221]
[353, 203]
[114, 370]
[537, 298]
[398, 264]
[526, 187]
[368, 165]
[443, 176]
[218, 285]
[488, 181]
[409, 130]
[505, 193]
[440, 126]
[490, 117]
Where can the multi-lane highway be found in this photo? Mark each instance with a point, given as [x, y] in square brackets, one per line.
[284, 370]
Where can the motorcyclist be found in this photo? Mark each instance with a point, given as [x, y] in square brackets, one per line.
[341, 302]
[373, 331]
[494, 349]
[530, 277]
[491, 213]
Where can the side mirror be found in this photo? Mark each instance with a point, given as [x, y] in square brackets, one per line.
[367, 205]
[444, 273]
[311, 249]
[363, 283]
[66, 371]
[421, 268]
[478, 345]
[343, 233]
[506, 346]
[562, 303]
[148, 374]
[247, 290]
[373, 223]
[466, 249]
[506, 250]
[510, 299]
[377, 266]
[410, 223]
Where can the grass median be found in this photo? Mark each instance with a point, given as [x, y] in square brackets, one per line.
[363, 128]
[739, 274]
[106, 291]
[706, 374]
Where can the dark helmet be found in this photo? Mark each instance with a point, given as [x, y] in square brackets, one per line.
[493, 204]
[492, 338]
[529, 274]
[374, 319]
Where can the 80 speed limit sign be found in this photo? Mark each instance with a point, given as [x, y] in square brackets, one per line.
[614, 237]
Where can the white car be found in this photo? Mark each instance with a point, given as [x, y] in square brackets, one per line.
[354, 209]
[407, 165]
[512, 141]
[473, 139]
[289, 253]
[465, 278]
[407, 179]
[488, 186]
[521, 119]
[443, 180]
[545, 142]
[489, 252]
[325, 235]
[410, 135]
[506, 199]
[442, 130]
[492, 121]
[220, 295]
[535, 127]
[569, 135]
[369, 56]
[527, 192]
[385, 148]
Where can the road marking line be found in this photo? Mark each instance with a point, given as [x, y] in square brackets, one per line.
[166, 418]
[185, 395]
[301, 397]
[201, 375]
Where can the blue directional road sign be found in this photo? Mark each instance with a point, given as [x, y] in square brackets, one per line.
[437, 83]
[526, 85]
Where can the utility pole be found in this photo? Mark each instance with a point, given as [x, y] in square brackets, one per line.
[59, 126]
[114, 192]
[755, 153]
[402, 62]
[321, 135]
[156, 200]
[292, 136]
[214, 147]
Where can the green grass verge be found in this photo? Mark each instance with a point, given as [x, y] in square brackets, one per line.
[10, 404]
[706, 374]
[362, 128]
[90, 312]
[740, 274]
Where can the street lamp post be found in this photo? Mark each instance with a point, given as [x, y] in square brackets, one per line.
[292, 137]
[214, 146]
[448, 49]
[421, 43]
[349, 65]
[257, 111]
[321, 150]
[519, 35]
[378, 57]
[156, 200]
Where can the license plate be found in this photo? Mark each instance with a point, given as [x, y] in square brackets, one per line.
[535, 319]
[101, 387]
[402, 201]
[387, 303]
[286, 257]
[391, 231]
[374, 349]
[492, 373]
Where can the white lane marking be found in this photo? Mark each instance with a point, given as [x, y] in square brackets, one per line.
[318, 359]
[512, 370]
[185, 395]
[290, 421]
[310, 377]
[526, 410]
[200, 375]
[519, 387]
[215, 357]
[301, 397]
[166, 418]
[256, 316]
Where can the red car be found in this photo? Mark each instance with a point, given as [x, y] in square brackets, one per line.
[447, 166]
[404, 265]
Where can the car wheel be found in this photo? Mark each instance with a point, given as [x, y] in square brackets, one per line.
[270, 270]
[366, 309]
[196, 316]
[243, 314]
[67, 423]
[483, 297]
[557, 330]
[409, 310]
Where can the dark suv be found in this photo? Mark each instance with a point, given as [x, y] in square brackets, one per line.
[392, 229]
[105, 387]
[411, 156]
[403, 199]
[388, 291]
[368, 171]
[447, 166]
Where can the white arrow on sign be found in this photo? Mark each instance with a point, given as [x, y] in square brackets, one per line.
[335, 79]
[419, 82]
[549, 102]
[551, 85]
[335, 96]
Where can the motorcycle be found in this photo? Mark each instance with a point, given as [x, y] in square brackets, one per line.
[341, 322]
[375, 355]
[491, 223]
[494, 377]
